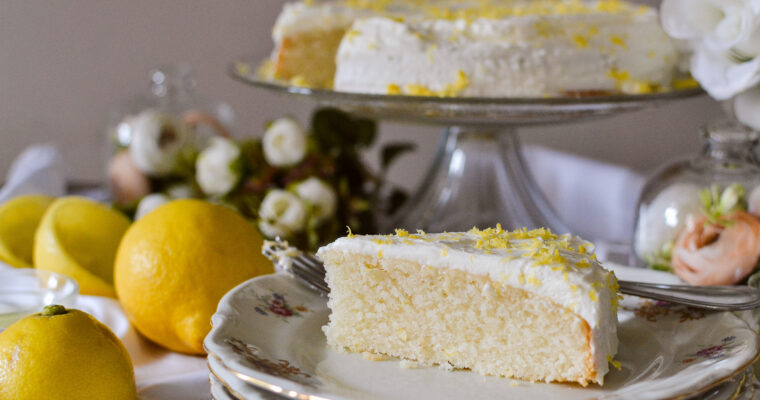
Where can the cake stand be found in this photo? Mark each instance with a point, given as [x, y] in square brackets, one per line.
[478, 176]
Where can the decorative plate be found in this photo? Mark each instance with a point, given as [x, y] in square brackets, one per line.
[267, 334]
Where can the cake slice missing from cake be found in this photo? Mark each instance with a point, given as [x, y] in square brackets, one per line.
[525, 304]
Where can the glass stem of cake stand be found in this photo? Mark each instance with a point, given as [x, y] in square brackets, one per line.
[478, 178]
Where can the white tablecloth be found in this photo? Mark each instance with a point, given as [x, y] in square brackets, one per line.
[604, 208]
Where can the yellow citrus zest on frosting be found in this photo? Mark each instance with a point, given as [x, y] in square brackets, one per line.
[580, 41]
[592, 295]
[393, 89]
[350, 234]
[402, 233]
[534, 281]
[379, 254]
[618, 41]
[351, 35]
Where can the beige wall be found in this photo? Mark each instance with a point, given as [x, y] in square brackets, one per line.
[64, 65]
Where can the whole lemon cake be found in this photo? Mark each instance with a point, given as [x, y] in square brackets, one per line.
[477, 48]
[523, 304]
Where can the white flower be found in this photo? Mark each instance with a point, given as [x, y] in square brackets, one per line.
[724, 37]
[281, 214]
[150, 203]
[722, 77]
[747, 108]
[284, 143]
[320, 196]
[217, 168]
[719, 24]
[156, 141]
[180, 191]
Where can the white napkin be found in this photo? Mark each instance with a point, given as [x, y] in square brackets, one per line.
[37, 170]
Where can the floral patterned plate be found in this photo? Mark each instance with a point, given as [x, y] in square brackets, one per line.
[267, 334]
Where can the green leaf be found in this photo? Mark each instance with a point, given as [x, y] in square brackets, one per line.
[393, 151]
[334, 129]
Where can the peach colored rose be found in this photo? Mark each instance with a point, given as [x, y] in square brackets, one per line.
[128, 183]
[710, 254]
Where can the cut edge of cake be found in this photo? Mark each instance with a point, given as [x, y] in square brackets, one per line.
[433, 314]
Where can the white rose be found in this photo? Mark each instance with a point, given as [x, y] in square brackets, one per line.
[284, 143]
[320, 196]
[216, 169]
[150, 203]
[180, 191]
[719, 24]
[281, 214]
[721, 76]
[747, 108]
[724, 37]
[156, 141]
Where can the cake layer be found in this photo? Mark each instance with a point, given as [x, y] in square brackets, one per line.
[483, 48]
[554, 55]
[454, 319]
[539, 303]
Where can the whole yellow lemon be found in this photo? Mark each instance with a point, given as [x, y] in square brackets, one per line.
[63, 354]
[175, 264]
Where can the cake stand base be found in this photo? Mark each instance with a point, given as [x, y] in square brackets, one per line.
[478, 178]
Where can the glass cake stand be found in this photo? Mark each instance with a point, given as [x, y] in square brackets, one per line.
[478, 176]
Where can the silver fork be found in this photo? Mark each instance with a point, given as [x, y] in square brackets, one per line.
[309, 270]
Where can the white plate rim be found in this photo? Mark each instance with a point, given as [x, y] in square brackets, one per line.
[227, 315]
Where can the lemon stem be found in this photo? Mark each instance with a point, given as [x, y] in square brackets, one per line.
[52, 310]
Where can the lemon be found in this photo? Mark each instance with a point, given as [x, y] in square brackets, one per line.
[19, 219]
[79, 238]
[175, 264]
[63, 354]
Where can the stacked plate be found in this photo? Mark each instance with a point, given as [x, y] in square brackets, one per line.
[267, 343]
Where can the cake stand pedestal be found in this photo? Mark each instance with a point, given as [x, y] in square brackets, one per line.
[478, 177]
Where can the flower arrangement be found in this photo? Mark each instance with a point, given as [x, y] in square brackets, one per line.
[305, 185]
[723, 37]
[715, 242]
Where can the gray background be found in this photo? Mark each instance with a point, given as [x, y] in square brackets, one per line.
[65, 65]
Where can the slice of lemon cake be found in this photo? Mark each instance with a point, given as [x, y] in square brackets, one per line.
[524, 304]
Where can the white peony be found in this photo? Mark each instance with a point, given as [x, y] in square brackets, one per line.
[747, 108]
[217, 167]
[281, 214]
[156, 139]
[722, 77]
[150, 203]
[720, 24]
[284, 143]
[320, 196]
[724, 37]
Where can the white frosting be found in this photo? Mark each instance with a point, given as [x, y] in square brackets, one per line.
[518, 56]
[587, 290]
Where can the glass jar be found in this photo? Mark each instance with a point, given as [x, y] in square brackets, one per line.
[699, 217]
[153, 138]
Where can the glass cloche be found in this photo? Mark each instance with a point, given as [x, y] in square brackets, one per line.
[699, 217]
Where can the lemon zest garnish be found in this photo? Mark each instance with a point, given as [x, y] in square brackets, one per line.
[350, 234]
[580, 41]
[618, 41]
[393, 89]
